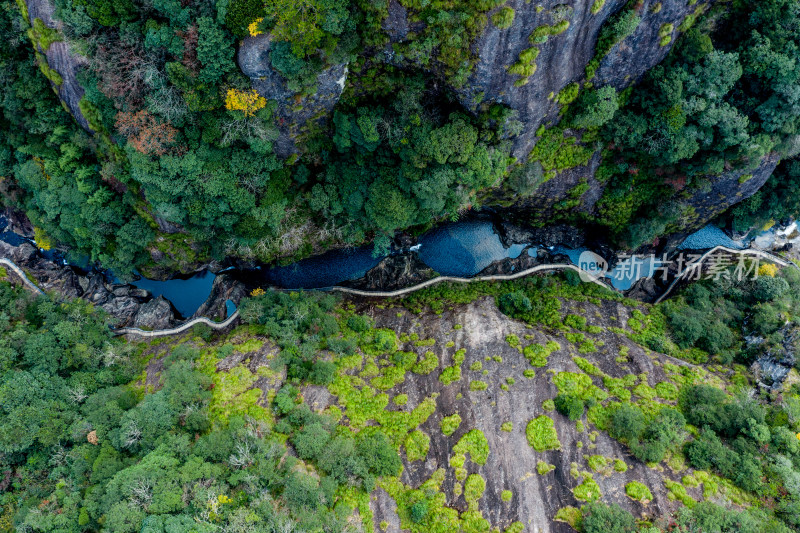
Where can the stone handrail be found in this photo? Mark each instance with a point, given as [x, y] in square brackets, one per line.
[179, 329]
[22, 275]
[443, 279]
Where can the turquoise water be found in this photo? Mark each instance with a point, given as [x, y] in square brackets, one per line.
[187, 295]
[628, 272]
[464, 249]
[325, 270]
[230, 308]
[707, 238]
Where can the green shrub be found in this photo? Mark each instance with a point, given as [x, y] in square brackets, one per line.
[568, 94]
[570, 406]
[474, 487]
[638, 491]
[417, 444]
[588, 490]
[427, 364]
[477, 385]
[450, 424]
[241, 13]
[543, 468]
[504, 18]
[541, 434]
[473, 442]
[599, 517]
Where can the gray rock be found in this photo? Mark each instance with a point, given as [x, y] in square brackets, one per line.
[155, 314]
[122, 302]
[253, 56]
[396, 24]
[61, 58]
[394, 272]
[224, 288]
[563, 58]
[773, 366]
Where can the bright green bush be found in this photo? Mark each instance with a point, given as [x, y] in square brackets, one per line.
[504, 18]
[638, 491]
[541, 434]
[450, 424]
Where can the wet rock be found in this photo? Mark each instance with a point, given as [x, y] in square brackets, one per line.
[562, 234]
[645, 290]
[394, 272]
[123, 309]
[224, 288]
[510, 266]
[18, 222]
[122, 302]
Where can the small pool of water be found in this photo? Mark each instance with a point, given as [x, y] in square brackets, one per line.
[325, 270]
[464, 249]
[187, 295]
[230, 308]
[628, 272]
[574, 254]
[9, 236]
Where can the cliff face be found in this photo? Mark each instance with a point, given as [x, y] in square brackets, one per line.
[502, 412]
[563, 58]
[62, 59]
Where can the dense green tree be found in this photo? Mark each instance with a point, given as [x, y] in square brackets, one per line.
[601, 518]
[570, 406]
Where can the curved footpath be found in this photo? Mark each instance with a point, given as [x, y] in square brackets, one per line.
[22, 275]
[441, 279]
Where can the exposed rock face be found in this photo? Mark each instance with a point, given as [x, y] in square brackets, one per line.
[772, 368]
[727, 190]
[394, 272]
[396, 24]
[225, 288]
[512, 462]
[561, 61]
[126, 303]
[563, 58]
[293, 113]
[155, 314]
[61, 59]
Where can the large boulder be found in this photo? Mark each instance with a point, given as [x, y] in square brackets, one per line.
[158, 313]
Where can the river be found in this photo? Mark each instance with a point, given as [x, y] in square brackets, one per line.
[461, 249]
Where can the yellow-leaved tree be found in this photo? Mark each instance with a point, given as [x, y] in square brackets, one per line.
[248, 102]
